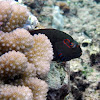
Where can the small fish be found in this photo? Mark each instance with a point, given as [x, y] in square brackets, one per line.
[65, 47]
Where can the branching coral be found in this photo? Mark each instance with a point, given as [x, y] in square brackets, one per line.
[15, 93]
[5, 12]
[19, 39]
[30, 71]
[41, 54]
[12, 63]
[12, 15]
[38, 87]
[15, 63]
[23, 57]
[37, 63]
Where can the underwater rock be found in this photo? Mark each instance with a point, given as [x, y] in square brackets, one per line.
[81, 84]
[97, 1]
[95, 61]
[86, 42]
[57, 18]
[63, 6]
[58, 82]
[78, 85]
[92, 93]
[75, 74]
[35, 4]
[56, 76]
[98, 86]
[79, 80]
[76, 93]
[54, 94]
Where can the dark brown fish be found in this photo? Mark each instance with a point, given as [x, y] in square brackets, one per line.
[64, 46]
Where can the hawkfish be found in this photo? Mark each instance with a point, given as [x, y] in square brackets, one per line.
[65, 47]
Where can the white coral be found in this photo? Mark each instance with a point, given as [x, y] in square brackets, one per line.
[41, 54]
[11, 64]
[38, 87]
[19, 40]
[8, 92]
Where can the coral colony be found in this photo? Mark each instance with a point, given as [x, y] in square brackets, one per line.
[23, 58]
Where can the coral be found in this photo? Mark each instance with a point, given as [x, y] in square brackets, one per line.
[12, 63]
[5, 11]
[30, 71]
[19, 39]
[15, 63]
[41, 54]
[14, 14]
[23, 57]
[1, 32]
[15, 93]
[38, 87]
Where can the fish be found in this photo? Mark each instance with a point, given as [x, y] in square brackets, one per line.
[65, 47]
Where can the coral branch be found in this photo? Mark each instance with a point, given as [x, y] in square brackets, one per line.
[30, 71]
[19, 40]
[15, 93]
[13, 14]
[11, 64]
[41, 54]
[38, 87]
[5, 11]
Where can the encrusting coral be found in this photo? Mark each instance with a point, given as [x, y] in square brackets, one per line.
[12, 15]
[41, 54]
[23, 57]
[15, 93]
[19, 39]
